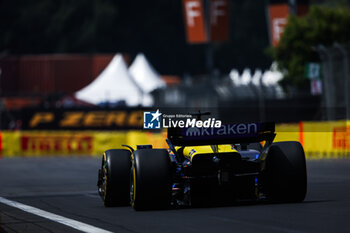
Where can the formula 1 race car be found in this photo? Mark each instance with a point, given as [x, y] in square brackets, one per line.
[205, 165]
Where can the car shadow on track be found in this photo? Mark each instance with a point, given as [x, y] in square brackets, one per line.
[241, 203]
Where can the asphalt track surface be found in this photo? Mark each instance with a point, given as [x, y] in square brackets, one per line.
[66, 186]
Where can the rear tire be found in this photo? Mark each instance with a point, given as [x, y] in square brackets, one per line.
[286, 179]
[151, 179]
[115, 185]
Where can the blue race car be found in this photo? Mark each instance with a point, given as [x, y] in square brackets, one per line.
[205, 166]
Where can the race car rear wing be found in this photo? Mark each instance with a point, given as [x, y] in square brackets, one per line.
[226, 134]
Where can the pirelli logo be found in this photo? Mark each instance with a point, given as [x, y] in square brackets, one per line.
[57, 144]
[341, 138]
[86, 120]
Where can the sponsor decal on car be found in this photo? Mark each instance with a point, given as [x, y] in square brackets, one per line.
[192, 152]
[231, 130]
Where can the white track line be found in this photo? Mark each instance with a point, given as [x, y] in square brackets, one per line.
[53, 217]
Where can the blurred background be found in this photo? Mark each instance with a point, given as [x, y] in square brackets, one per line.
[84, 71]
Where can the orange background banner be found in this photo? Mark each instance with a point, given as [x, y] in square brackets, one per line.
[219, 20]
[195, 21]
[278, 20]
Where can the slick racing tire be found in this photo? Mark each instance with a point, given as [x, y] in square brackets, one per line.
[286, 179]
[151, 179]
[115, 181]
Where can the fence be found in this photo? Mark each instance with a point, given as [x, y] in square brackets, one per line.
[336, 80]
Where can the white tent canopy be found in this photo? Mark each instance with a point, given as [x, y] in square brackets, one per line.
[145, 75]
[114, 84]
[247, 85]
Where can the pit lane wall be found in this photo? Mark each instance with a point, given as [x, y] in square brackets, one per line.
[330, 139]
[319, 139]
[68, 143]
